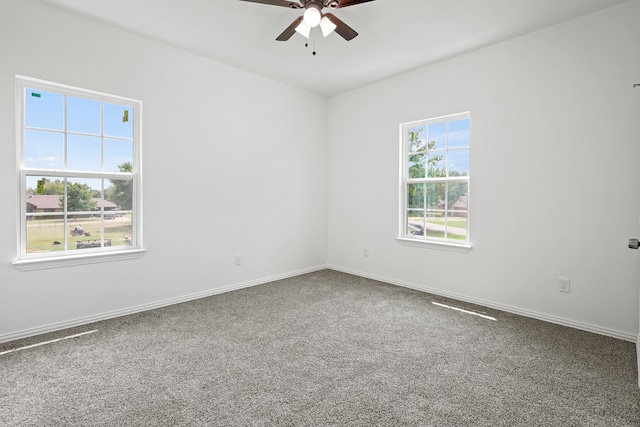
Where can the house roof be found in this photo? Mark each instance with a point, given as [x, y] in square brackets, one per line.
[44, 201]
[52, 201]
[107, 204]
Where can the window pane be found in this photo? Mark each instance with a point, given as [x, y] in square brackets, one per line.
[438, 136]
[457, 225]
[43, 150]
[117, 229]
[83, 115]
[43, 109]
[459, 162]
[459, 133]
[416, 150]
[417, 138]
[435, 195]
[45, 233]
[117, 225]
[83, 153]
[437, 162]
[435, 224]
[457, 195]
[44, 220]
[415, 222]
[415, 196]
[416, 165]
[117, 152]
[44, 194]
[118, 120]
[83, 195]
[119, 192]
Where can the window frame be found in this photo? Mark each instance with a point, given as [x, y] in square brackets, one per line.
[66, 257]
[404, 181]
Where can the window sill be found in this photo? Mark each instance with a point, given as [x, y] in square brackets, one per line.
[94, 258]
[432, 244]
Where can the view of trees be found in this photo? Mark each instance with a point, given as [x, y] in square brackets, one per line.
[81, 197]
[419, 160]
[121, 191]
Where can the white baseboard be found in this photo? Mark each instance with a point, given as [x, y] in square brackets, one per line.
[150, 306]
[510, 309]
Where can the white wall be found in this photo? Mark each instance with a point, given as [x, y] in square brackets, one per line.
[555, 176]
[224, 154]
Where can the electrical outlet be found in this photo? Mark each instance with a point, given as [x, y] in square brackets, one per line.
[237, 260]
[565, 284]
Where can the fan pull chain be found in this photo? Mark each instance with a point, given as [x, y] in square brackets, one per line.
[306, 43]
[314, 44]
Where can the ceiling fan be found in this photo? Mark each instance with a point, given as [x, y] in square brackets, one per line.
[313, 17]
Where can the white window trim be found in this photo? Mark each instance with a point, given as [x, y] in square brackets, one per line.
[28, 262]
[80, 259]
[432, 244]
[425, 242]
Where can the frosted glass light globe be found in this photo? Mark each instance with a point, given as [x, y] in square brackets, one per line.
[312, 17]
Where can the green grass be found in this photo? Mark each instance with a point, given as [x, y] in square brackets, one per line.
[41, 234]
[459, 223]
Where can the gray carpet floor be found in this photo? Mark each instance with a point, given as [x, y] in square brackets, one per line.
[322, 349]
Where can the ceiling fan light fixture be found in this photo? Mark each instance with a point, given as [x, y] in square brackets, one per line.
[303, 29]
[312, 16]
[327, 26]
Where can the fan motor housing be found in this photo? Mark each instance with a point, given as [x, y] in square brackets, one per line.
[314, 3]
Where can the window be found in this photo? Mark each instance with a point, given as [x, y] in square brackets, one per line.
[79, 170]
[435, 180]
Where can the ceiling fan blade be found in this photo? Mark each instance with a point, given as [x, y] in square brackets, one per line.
[337, 4]
[291, 29]
[284, 3]
[345, 31]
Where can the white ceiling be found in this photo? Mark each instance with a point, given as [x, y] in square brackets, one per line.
[395, 35]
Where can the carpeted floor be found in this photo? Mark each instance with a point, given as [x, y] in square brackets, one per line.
[322, 349]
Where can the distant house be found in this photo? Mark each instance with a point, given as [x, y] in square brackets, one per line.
[51, 203]
[43, 203]
[460, 204]
[108, 206]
